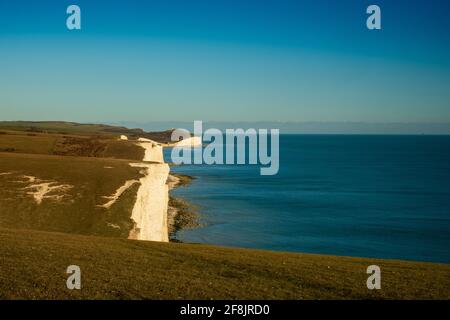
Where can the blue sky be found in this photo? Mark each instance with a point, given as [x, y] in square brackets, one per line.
[225, 60]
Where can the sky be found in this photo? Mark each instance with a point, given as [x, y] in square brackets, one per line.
[225, 60]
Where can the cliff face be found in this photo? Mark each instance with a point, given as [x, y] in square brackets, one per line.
[150, 210]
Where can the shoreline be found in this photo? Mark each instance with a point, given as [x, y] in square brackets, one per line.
[156, 214]
[181, 214]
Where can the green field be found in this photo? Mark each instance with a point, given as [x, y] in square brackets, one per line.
[84, 166]
[73, 209]
[72, 128]
[41, 234]
[33, 265]
[69, 145]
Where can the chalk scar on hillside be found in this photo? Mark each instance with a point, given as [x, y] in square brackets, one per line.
[45, 189]
[112, 225]
[30, 179]
[113, 198]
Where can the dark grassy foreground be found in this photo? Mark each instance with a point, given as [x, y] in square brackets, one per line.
[33, 265]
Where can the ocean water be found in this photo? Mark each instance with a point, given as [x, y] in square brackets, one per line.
[354, 195]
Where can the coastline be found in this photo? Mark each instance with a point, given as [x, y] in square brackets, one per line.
[150, 209]
[181, 214]
[157, 215]
[228, 231]
[94, 238]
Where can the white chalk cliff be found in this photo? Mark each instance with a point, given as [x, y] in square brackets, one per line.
[150, 210]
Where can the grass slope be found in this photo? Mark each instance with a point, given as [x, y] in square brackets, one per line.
[69, 145]
[33, 266]
[94, 166]
[77, 210]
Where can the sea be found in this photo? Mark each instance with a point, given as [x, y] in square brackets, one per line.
[379, 196]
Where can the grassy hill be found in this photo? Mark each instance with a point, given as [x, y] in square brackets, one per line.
[77, 167]
[99, 146]
[33, 265]
[80, 187]
[72, 128]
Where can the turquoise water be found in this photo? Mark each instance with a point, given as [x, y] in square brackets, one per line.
[355, 195]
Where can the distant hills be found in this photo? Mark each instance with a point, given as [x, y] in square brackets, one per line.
[62, 127]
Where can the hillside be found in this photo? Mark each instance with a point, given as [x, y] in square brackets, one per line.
[33, 266]
[61, 182]
[65, 194]
[73, 128]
